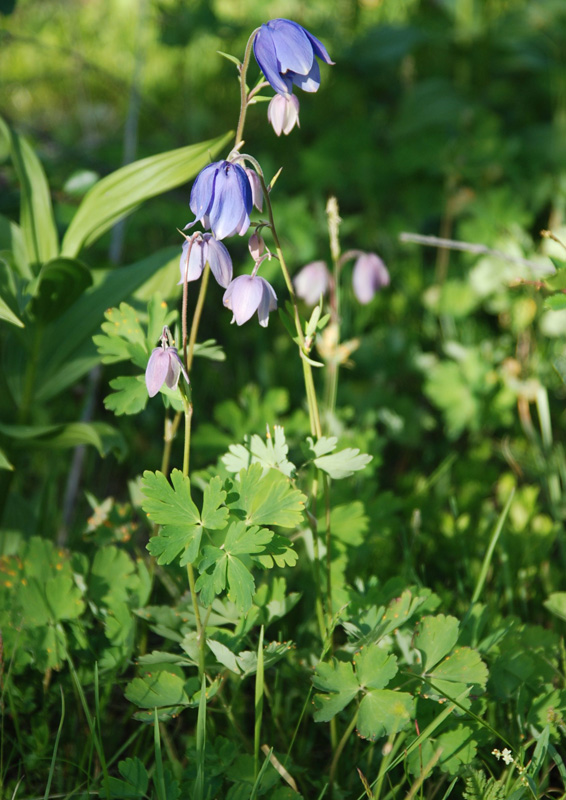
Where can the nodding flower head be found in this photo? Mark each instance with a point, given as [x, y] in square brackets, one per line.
[311, 282]
[205, 249]
[221, 199]
[164, 366]
[283, 113]
[369, 276]
[286, 52]
[247, 294]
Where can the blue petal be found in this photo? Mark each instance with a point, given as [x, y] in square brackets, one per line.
[310, 82]
[292, 46]
[196, 261]
[266, 57]
[156, 370]
[202, 193]
[232, 202]
[243, 297]
[319, 49]
[219, 261]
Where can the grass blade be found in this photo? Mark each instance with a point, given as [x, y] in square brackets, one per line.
[55, 748]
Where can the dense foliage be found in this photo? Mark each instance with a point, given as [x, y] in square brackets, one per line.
[331, 563]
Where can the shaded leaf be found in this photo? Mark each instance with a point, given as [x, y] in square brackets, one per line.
[384, 712]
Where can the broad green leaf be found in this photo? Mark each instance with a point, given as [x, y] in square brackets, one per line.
[269, 499]
[120, 193]
[322, 446]
[348, 523]
[123, 338]
[435, 638]
[158, 689]
[556, 604]
[343, 463]
[8, 315]
[63, 598]
[135, 783]
[339, 680]
[59, 284]
[129, 396]
[13, 249]
[458, 747]
[379, 621]
[463, 666]
[4, 463]
[98, 434]
[556, 302]
[36, 213]
[384, 712]
[113, 576]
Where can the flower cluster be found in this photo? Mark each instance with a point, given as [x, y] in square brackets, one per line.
[286, 54]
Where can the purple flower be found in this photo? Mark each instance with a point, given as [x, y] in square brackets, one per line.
[286, 54]
[247, 294]
[164, 366]
[312, 281]
[206, 248]
[369, 276]
[283, 113]
[221, 199]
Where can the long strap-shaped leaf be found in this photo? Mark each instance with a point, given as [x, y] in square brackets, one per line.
[118, 194]
[36, 213]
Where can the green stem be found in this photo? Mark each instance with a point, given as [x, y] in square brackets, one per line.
[329, 610]
[189, 355]
[243, 90]
[169, 432]
[340, 747]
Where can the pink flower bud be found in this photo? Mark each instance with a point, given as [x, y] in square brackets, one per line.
[283, 113]
[311, 282]
[256, 246]
[257, 191]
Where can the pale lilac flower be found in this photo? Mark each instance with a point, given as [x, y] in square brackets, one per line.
[369, 276]
[311, 282]
[247, 294]
[286, 52]
[164, 367]
[283, 113]
[206, 248]
[221, 199]
[257, 191]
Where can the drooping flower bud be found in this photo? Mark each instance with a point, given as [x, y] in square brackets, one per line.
[285, 52]
[369, 276]
[221, 199]
[205, 248]
[164, 367]
[311, 282]
[256, 246]
[283, 113]
[257, 191]
[247, 294]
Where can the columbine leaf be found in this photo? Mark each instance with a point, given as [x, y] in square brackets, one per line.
[123, 338]
[435, 637]
[130, 395]
[458, 747]
[339, 680]
[279, 551]
[458, 670]
[270, 454]
[173, 508]
[228, 568]
[157, 689]
[269, 499]
[213, 516]
[209, 349]
[375, 667]
[343, 463]
[322, 446]
[384, 712]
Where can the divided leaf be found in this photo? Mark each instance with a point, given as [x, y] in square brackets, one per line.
[268, 499]
[270, 454]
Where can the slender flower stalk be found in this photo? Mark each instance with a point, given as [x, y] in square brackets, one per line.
[244, 97]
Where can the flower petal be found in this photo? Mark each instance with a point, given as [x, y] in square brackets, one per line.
[232, 202]
[202, 193]
[292, 46]
[243, 297]
[219, 261]
[310, 82]
[311, 282]
[268, 302]
[156, 370]
[266, 57]
[196, 260]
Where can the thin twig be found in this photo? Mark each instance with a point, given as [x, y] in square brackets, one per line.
[468, 247]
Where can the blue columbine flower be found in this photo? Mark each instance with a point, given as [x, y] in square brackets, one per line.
[286, 52]
[205, 248]
[164, 366]
[221, 199]
[247, 294]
